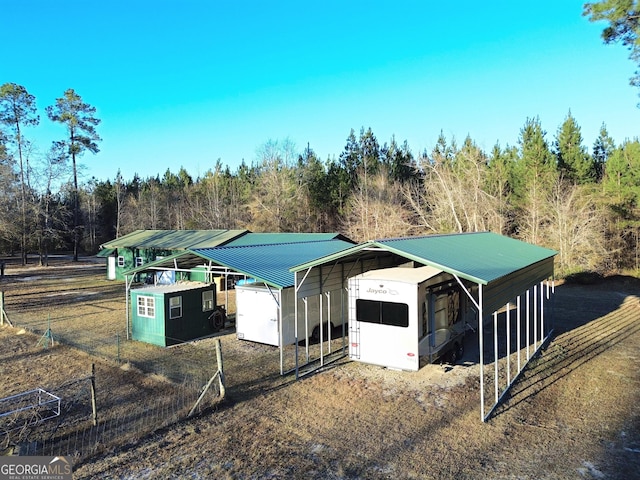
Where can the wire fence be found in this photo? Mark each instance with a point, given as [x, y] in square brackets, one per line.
[86, 441]
[188, 363]
[187, 371]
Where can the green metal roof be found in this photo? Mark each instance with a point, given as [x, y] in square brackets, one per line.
[252, 238]
[268, 263]
[480, 257]
[184, 260]
[174, 239]
[271, 263]
[105, 252]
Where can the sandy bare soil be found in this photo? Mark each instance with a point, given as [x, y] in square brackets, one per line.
[574, 414]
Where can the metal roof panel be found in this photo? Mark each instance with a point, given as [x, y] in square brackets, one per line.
[481, 257]
[270, 263]
[174, 239]
[252, 239]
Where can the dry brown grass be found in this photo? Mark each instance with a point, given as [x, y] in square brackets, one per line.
[575, 414]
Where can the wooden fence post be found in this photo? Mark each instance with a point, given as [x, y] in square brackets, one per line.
[220, 368]
[219, 373]
[93, 394]
[3, 314]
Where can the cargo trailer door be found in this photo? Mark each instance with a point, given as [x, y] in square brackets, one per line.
[257, 311]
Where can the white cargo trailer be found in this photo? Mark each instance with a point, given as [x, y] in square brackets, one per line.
[399, 315]
[262, 311]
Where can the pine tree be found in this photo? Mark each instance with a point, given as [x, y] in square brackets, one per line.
[603, 147]
[80, 121]
[574, 163]
[535, 174]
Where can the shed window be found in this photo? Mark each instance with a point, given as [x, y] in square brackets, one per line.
[175, 307]
[384, 313]
[139, 261]
[121, 261]
[207, 301]
[146, 306]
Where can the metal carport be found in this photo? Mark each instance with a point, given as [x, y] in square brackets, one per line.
[506, 272]
[267, 263]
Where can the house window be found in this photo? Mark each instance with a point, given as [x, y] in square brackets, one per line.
[146, 306]
[121, 261]
[175, 307]
[139, 261]
[384, 313]
[207, 301]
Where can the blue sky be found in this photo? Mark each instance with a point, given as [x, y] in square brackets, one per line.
[184, 83]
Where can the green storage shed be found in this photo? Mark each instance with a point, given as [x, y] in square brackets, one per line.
[166, 315]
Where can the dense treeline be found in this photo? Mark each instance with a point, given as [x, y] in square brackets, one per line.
[551, 192]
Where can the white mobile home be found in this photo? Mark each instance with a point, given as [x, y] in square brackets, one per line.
[267, 315]
[398, 315]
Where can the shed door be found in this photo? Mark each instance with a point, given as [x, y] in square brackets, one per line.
[111, 267]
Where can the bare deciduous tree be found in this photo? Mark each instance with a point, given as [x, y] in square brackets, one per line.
[274, 203]
[452, 197]
[576, 228]
[377, 210]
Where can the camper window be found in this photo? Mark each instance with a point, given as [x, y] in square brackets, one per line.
[146, 306]
[385, 313]
[175, 307]
[207, 301]
[121, 261]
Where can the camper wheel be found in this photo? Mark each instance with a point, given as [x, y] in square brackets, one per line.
[454, 353]
[315, 335]
[217, 318]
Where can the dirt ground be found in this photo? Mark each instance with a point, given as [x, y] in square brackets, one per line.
[575, 413]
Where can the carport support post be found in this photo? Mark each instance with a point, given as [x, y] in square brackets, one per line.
[541, 311]
[306, 328]
[495, 353]
[535, 317]
[280, 341]
[481, 342]
[321, 332]
[127, 287]
[328, 294]
[519, 339]
[295, 323]
[528, 324]
[508, 319]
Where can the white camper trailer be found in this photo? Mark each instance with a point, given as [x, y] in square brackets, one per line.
[261, 310]
[398, 315]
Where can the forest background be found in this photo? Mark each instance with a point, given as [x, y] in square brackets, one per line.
[551, 193]
[548, 190]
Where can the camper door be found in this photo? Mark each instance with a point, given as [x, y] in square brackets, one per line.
[385, 321]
